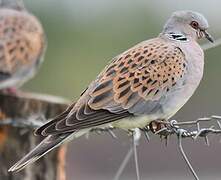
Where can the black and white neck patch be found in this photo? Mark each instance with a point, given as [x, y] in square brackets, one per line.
[177, 37]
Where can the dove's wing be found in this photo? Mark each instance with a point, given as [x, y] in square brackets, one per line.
[131, 85]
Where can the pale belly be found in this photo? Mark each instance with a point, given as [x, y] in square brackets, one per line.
[170, 106]
[132, 123]
[142, 121]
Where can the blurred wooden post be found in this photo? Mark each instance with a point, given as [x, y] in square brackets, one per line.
[18, 116]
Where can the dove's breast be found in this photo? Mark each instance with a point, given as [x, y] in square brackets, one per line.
[195, 65]
[172, 101]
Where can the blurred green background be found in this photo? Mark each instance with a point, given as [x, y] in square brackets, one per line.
[83, 35]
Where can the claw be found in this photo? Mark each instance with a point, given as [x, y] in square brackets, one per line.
[155, 126]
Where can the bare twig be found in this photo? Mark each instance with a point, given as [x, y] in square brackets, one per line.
[180, 134]
[108, 130]
[146, 131]
[136, 134]
[123, 164]
[136, 138]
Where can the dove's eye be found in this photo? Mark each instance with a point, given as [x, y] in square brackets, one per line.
[194, 25]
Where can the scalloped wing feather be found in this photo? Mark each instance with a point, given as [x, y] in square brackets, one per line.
[146, 73]
[134, 83]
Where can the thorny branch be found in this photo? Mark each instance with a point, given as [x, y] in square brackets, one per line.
[173, 127]
[200, 132]
[168, 128]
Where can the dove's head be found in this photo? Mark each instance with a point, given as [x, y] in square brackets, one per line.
[189, 23]
[12, 4]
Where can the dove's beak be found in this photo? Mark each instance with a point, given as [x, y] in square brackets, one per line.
[208, 36]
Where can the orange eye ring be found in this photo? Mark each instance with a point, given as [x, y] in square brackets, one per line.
[194, 25]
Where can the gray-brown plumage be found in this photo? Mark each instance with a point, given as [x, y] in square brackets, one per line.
[141, 75]
[150, 81]
[22, 44]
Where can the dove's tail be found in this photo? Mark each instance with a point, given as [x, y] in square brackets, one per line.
[40, 150]
[43, 148]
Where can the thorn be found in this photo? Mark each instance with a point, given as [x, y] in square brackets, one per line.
[219, 124]
[98, 132]
[207, 140]
[167, 140]
[161, 138]
[198, 126]
[204, 119]
[147, 137]
[145, 130]
[87, 135]
[197, 135]
[111, 133]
